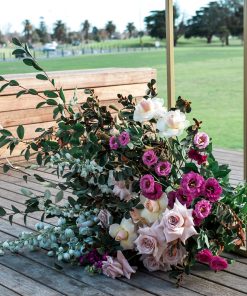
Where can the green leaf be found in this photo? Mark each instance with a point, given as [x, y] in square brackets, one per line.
[59, 196]
[16, 41]
[61, 94]
[1, 78]
[20, 93]
[15, 210]
[39, 105]
[39, 178]
[51, 102]
[18, 51]
[50, 94]
[26, 192]
[2, 212]
[13, 83]
[4, 86]
[39, 159]
[58, 267]
[20, 131]
[6, 133]
[32, 91]
[101, 180]
[27, 154]
[6, 168]
[11, 219]
[41, 77]
[28, 62]
[113, 107]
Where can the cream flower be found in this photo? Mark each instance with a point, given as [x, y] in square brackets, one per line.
[153, 208]
[172, 124]
[151, 241]
[124, 233]
[122, 191]
[148, 109]
[178, 223]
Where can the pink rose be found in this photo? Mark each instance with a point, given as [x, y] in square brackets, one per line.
[117, 267]
[122, 191]
[178, 223]
[112, 268]
[218, 263]
[104, 218]
[204, 256]
[174, 254]
[201, 140]
[151, 241]
[151, 264]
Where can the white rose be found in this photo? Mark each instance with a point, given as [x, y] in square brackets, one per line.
[148, 109]
[172, 124]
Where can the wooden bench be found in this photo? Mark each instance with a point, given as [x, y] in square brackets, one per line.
[106, 82]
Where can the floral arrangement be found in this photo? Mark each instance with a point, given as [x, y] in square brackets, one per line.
[138, 186]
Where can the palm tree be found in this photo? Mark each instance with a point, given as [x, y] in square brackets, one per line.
[60, 31]
[110, 28]
[27, 30]
[130, 28]
[85, 30]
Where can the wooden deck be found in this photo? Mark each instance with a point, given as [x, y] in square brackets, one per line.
[33, 273]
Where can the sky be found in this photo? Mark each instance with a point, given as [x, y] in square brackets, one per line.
[74, 12]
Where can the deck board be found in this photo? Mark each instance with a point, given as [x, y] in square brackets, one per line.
[33, 273]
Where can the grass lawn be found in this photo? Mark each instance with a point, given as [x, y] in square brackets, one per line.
[210, 76]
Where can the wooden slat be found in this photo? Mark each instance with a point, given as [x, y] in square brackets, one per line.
[24, 285]
[6, 292]
[83, 79]
[11, 103]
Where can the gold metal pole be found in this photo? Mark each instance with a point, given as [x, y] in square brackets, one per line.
[245, 90]
[170, 54]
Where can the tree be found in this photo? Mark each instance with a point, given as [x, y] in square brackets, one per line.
[110, 29]
[156, 24]
[44, 36]
[28, 28]
[140, 35]
[130, 28]
[60, 31]
[2, 38]
[85, 30]
[206, 22]
[95, 34]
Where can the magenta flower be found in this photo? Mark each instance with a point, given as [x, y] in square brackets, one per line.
[171, 198]
[156, 194]
[184, 199]
[147, 183]
[192, 184]
[204, 256]
[218, 263]
[201, 140]
[113, 143]
[195, 155]
[212, 189]
[149, 158]
[124, 138]
[197, 221]
[202, 209]
[163, 168]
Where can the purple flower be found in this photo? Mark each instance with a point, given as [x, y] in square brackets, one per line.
[212, 189]
[124, 138]
[204, 256]
[171, 198]
[202, 209]
[163, 168]
[113, 143]
[192, 184]
[149, 158]
[156, 194]
[217, 263]
[201, 140]
[184, 199]
[197, 221]
[147, 183]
